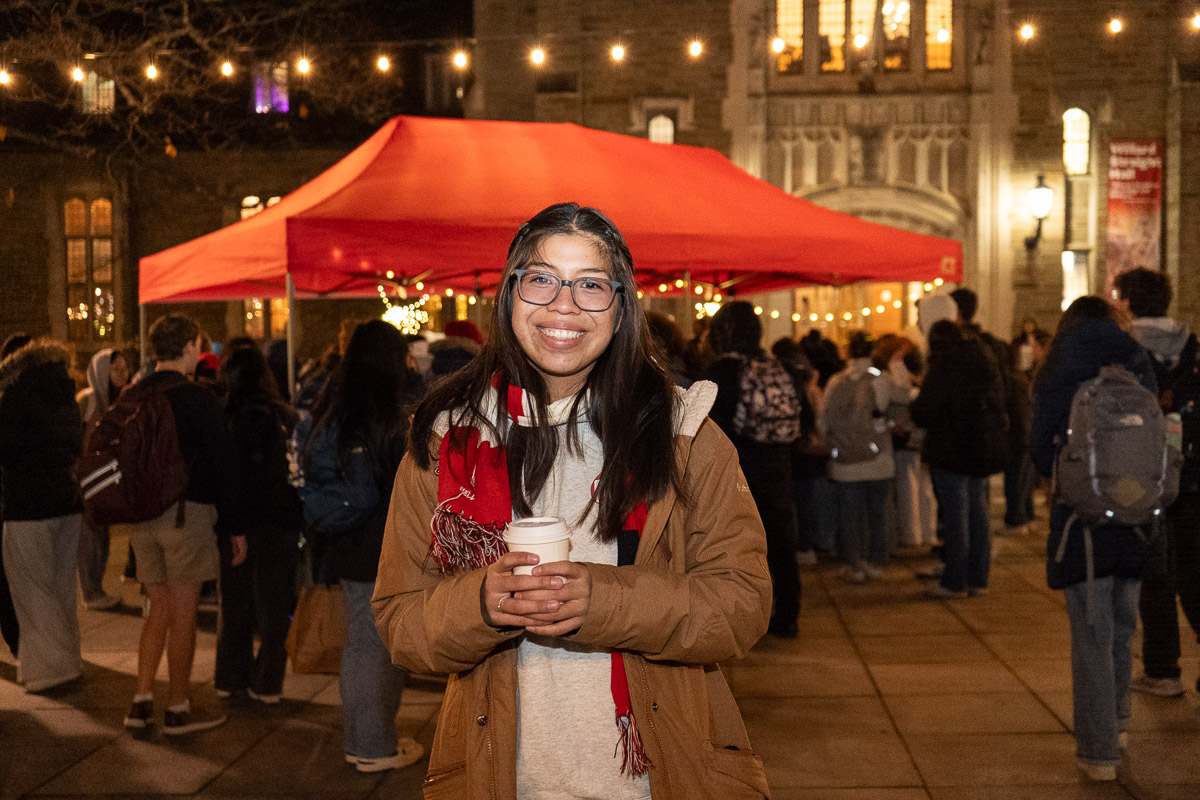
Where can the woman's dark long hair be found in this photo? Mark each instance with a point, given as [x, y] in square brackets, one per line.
[631, 402]
[248, 380]
[368, 394]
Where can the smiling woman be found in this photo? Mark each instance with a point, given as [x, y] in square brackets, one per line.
[569, 413]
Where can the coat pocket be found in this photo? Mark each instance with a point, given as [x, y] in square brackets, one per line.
[447, 783]
[735, 774]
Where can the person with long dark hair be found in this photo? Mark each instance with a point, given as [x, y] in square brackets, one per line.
[258, 594]
[363, 413]
[594, 676]
[1100, 572]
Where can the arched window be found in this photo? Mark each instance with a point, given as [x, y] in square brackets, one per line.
[661, 129]
[1077, 141]
[831, 28]
[97, 96]
[91, 306]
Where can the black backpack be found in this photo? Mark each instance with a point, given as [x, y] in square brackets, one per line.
[1179, 391]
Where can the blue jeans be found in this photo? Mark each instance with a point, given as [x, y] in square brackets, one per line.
[370, 684]
[1101, 663]
[862, 521]
[966, 536]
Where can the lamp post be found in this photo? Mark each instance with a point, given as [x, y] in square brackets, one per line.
[1041, 199]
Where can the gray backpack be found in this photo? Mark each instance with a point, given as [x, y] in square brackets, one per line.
[1116, 465]
[855, 430]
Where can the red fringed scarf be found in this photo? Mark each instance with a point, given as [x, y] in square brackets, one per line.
[475, 505]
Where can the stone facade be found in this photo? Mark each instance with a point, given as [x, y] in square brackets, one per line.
[948, 151]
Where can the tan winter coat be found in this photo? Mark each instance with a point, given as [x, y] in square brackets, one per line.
[697, 593]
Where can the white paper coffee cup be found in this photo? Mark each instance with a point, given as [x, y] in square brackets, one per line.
[546, 537]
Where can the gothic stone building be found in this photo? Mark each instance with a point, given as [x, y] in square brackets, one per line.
[936, 116]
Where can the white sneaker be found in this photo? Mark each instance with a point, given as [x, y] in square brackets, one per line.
[853, 575]
[1098, 772]
[265, 699]
[873, 572]
[1159, 687]
[408, 751]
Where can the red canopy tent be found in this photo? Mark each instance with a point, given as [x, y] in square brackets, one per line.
[439, 200]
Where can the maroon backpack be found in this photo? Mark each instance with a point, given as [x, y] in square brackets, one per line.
[132, 469]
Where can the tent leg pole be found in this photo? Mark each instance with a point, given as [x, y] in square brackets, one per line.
[291, 337]
[143, 333]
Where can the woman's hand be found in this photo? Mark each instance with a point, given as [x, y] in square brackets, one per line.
[572, 598]
[504, 598]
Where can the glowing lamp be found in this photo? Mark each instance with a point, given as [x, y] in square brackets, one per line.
[618, 52]
[695, 48]
[778, 44]
[383, 63]
[460, 60]
[538, 56]
[1027, 32]
[302, 66]
[77, 74]
[152, 72]
[227, 69]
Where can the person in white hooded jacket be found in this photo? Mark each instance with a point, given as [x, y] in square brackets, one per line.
[107, 376]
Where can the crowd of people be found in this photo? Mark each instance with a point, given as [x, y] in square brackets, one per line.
[847, 454]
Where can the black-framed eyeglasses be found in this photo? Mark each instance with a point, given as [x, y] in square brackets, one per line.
[589, 294]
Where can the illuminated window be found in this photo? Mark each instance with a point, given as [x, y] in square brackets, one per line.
[789, 27]
[831, 28]
[91, 306]
[96, 96]
[270, 84]
[661, 129]
[1075, 276]
[1077, 141]
[896, 17]
[939, 17]
[862, 24]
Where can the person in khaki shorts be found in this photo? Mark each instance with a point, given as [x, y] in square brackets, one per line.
[174, 560]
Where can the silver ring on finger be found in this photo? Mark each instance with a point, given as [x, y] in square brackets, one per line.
[500, 602]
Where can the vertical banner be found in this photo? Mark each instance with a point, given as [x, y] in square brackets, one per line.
[1135, 169]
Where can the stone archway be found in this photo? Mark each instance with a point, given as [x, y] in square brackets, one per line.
[910, 209]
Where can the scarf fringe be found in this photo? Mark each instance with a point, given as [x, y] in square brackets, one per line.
[634, 762]
[460, 544]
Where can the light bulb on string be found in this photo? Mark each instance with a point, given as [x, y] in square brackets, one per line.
[383, 64]
[1196, 21]
[227, 69]
[302, 66]
[537, 56]
[618, 52]
[4, 77]
[778, 44]
[679, 283]
[151, 72]
[1115, 25]
[1027, 32]
[460, 60]
[695, 48]
[77, 75]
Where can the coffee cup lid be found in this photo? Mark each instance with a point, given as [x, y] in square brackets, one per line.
[536, 530]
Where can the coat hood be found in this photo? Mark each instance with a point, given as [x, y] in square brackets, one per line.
[1162, 336]
[37, 353]
[934, 308]
[97, 376]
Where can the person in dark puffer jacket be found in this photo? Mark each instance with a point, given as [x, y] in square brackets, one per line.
[41, 434]
[962, 408]
[1088, 338]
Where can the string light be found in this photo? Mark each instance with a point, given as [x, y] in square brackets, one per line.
[778, 44]
[77, 75]
[302, 66]
[866, 312]
[699, 290]
[716, 298]
[758, 310]
[697, 47]
[227, 69]
[1027, 32]
[943, 36]
[538, 56]
[449, 293]
[383, 63]
[662, 287]
[796, 317]
[472, 300]
[929, 287]
[812, 317]
[847, 316]
[774, 314]
[860, 41]
[896, 304]
[420, 286]
[4, 78]
[152, 72]
[938, 282]
[390, 274]
[1196, 21]
[1115, 25]
[460, 60]
[679, 283]
[618, 52]
[829, 317]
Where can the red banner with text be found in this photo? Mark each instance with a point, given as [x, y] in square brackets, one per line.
[1135, 169]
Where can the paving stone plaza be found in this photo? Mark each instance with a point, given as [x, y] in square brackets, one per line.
[884, 696]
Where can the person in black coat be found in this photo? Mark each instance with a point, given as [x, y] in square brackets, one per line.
[258, 594]
[41, 435]
[366, 399]
[1102, 610]
[962, 409]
